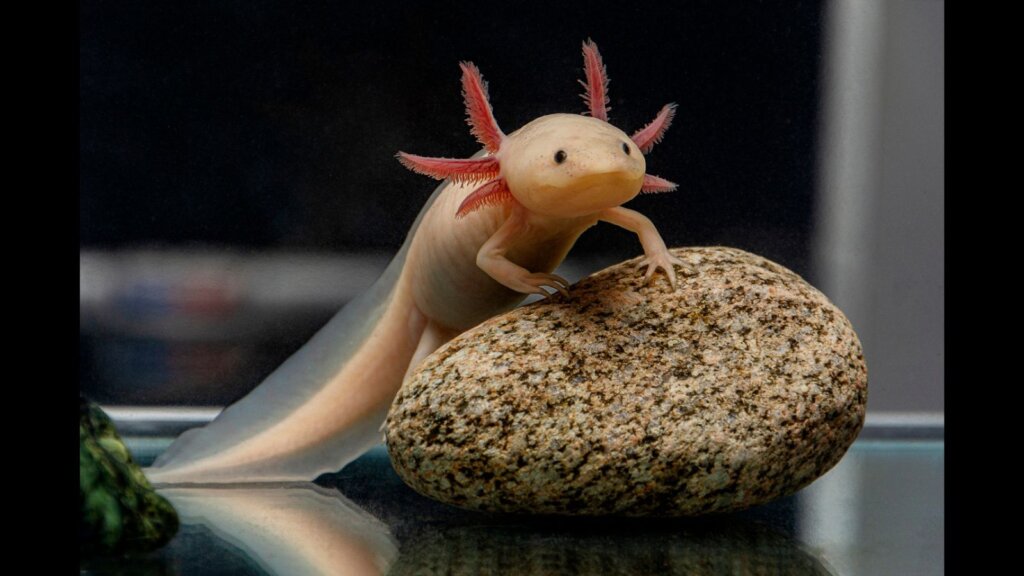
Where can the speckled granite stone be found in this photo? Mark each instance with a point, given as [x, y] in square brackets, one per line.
[741, 386]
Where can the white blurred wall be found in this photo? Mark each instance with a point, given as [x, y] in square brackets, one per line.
[879, 247]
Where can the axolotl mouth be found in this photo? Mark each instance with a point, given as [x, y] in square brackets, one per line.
[615, 187]
[588, 194]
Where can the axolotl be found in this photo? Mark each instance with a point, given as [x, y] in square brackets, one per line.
[491, 234]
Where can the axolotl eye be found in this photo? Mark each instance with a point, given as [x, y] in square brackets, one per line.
[559, 156]
[625, 148]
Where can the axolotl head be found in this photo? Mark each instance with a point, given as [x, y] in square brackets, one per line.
[560, 165]
[570, 165]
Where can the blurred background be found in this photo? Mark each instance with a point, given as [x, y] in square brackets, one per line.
[238, 182]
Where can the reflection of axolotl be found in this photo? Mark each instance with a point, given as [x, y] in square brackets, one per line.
[491, 233]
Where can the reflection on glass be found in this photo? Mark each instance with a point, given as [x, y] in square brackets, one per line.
[293, 530]
[694, 548]
[880, 510]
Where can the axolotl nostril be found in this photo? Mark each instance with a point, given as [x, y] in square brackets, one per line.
[490, 234]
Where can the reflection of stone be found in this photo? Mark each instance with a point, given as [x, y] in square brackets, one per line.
[294, 529]
[742, 385]
[695, 550]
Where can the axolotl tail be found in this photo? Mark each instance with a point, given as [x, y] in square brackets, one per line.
[319, 410]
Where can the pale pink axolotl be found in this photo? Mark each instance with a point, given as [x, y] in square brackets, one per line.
[490, 234]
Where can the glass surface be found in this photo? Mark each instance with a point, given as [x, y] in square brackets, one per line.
[879, 511]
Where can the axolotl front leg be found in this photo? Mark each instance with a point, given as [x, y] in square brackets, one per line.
[492, 258]
[522, 227]
[656, 254]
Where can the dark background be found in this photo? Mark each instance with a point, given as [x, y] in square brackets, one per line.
[273, 125]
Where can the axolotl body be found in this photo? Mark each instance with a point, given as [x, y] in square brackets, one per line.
[490, 234]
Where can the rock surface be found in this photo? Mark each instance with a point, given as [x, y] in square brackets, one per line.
[741, 386]
[119, 512]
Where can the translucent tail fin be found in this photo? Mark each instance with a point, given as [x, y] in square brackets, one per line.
[319, 410]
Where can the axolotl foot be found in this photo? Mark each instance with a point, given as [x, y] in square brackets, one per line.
[664, 260]
[535, 282]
